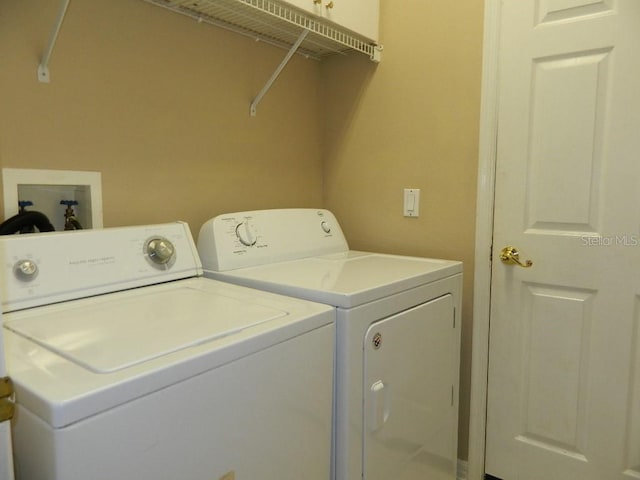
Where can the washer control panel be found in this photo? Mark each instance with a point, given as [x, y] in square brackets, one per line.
[38, 269]
[246, 239]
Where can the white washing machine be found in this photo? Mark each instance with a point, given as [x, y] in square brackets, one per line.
[129, 365]
[397, 334]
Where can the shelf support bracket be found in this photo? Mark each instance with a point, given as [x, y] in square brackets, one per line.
[265, 89]
[43, 68]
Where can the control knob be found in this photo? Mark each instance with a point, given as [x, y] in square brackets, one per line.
[160, 250]
[25, 270]
[246, 234]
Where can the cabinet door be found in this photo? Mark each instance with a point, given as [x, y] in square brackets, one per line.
[359, 16]
[410, 394]
[310, 6]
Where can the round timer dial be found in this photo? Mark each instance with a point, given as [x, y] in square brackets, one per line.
[246, 234]
[160, 252]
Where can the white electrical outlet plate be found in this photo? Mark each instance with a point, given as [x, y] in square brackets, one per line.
[411, 202]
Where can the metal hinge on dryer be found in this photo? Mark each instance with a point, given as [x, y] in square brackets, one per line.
[7, 407]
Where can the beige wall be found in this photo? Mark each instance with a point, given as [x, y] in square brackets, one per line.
[412, 121]
[160, 105]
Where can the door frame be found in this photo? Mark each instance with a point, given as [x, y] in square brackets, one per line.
[487, 156]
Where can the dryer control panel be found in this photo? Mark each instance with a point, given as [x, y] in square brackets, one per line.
[246, 239]
[39, 269]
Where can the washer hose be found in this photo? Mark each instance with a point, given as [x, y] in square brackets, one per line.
[26, 219]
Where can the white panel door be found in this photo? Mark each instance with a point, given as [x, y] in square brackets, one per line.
[6, 455]
[410, 394]
[564, 362]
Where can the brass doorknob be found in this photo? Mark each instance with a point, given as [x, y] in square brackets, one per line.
[511, 256]
[329, 5]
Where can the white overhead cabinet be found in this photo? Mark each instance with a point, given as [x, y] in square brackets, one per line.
[359, 16]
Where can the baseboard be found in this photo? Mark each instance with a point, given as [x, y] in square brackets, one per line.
[462, 469]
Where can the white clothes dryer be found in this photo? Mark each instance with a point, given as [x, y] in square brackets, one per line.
[129, 365]
[397, 334]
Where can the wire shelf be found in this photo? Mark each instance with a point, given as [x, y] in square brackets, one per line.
[274, 23]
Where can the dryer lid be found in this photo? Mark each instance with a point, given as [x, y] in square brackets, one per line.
[106, 336]
[346, 279]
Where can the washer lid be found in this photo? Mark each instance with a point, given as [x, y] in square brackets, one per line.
[345, 279]
[104, 336]
[124, 345]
